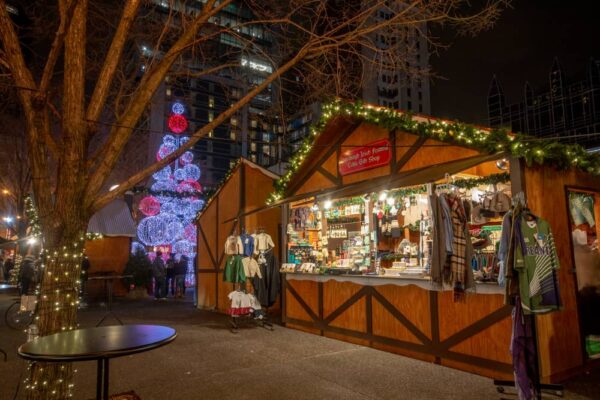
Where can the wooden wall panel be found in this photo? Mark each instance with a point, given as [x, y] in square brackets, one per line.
[354, 318]
[434, 152]
[412, 302]
[404, 141]
[336, 293]
[455, 316]
[331, 165]
[107, 255]
[561, 353]
[224, 288]
[363, 135]
[317, 181]
[208, 240]
[207, 290]
[308, 291]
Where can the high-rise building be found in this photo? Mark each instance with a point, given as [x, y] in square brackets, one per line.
[568, 109]
[388, 84]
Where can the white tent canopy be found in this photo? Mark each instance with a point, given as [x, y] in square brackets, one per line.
[113, 220]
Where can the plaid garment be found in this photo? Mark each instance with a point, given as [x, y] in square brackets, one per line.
[458, 262]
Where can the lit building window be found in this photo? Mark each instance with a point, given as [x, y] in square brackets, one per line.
[234, 121]
[253, 146]
[210, 134]
[211, 101]
[211, 116]
[232, 135]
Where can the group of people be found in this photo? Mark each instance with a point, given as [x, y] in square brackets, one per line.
[28, 274]
[169, 276]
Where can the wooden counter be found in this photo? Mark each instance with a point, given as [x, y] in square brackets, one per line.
[404, 316]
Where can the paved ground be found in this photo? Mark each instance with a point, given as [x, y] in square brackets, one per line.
[207, 361]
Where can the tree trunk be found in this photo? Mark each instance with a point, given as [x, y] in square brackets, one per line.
[56, 311]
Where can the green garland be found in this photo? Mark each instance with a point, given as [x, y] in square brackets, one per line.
[348, 202]
[532, 150]
[33, 220]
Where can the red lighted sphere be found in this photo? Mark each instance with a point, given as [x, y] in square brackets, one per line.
[149, 206]
[177, 123]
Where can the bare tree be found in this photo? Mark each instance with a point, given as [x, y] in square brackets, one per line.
[15, 179]
[86, 89]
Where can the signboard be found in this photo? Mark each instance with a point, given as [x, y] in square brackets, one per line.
[372, 155]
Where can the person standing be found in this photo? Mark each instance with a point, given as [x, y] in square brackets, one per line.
[8, 265]
[1, 268]
[159, 273]
[171, 274]
[26, 274]
[180, 272]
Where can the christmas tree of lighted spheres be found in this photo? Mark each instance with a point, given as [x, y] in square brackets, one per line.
[170, 211]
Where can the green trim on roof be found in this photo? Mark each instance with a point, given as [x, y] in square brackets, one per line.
[532, 149]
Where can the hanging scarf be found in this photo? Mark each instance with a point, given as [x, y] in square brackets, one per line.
[458, 261]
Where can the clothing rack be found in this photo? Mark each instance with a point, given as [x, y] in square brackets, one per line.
[550, 388]
[263, 323]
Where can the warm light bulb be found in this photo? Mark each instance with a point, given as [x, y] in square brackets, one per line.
[327, 204]
[382, 196]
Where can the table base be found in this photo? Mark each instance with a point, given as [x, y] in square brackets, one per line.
[102, 379]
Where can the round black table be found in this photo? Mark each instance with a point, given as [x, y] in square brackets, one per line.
[100, 343]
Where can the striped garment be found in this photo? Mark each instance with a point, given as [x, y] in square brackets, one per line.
[458, 261]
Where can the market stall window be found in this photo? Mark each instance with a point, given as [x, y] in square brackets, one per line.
[391, 233]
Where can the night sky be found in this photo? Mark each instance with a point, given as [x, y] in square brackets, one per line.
[520, 47]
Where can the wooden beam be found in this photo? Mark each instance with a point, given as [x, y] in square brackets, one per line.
[408, 155]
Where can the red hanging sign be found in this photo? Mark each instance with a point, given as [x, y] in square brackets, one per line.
[372, 155]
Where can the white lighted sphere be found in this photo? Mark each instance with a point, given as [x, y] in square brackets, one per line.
[177, 108]
[192, 172]
[151, 231]
[186, 157]
[162, 174]
[180, 174]
[169, 140]
[183, 140]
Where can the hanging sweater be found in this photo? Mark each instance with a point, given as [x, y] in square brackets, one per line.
[536, 262]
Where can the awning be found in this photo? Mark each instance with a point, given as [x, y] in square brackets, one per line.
[414, 177]
[113, 220]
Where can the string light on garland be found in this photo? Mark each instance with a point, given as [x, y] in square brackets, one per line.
[532, 150]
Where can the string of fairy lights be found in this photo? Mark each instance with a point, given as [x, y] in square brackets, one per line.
[538, 151]
[58, 296]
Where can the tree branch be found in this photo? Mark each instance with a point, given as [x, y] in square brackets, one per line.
[57, 44]
[111, 61]
[199, 134]
[150, 82]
